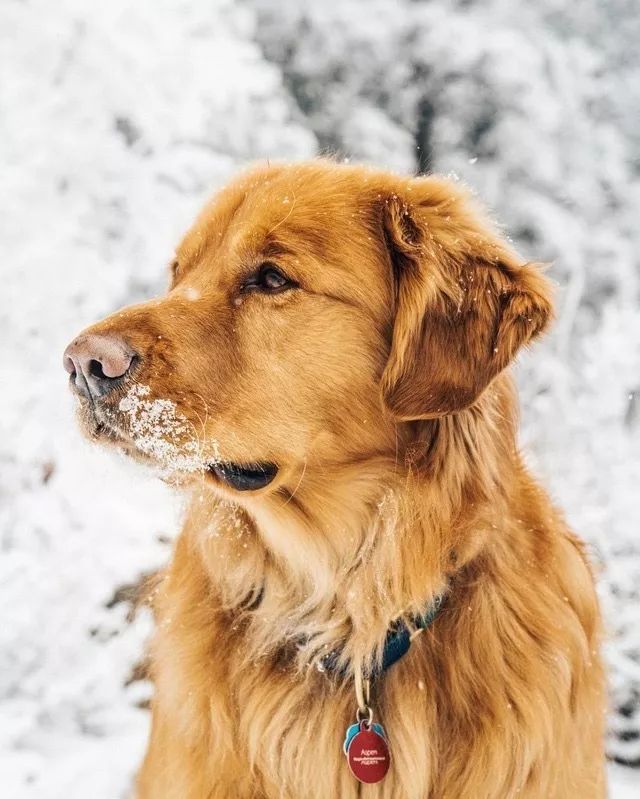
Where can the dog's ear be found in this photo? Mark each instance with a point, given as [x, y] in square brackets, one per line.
[464, 304]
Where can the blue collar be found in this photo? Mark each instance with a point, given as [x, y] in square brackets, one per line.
[396, 644]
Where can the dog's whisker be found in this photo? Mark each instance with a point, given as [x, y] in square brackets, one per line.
[299, 483]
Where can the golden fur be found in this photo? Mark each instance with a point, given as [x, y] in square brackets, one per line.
[377, 387]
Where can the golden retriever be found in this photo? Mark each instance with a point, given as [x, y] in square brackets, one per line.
[326, 379]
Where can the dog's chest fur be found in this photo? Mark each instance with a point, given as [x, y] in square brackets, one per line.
[479, 707]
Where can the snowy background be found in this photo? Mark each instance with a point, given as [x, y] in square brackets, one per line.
[117, 120]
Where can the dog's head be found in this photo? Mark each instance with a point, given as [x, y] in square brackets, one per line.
[313, 310]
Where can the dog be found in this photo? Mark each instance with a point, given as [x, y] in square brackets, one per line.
[364, 550]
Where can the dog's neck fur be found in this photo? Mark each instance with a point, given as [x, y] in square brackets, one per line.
[303, 572]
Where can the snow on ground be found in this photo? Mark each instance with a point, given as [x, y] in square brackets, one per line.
[116, 120]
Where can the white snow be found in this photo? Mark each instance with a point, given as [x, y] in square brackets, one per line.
[116, 121]
[158, 430]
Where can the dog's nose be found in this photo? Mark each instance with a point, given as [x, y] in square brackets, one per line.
[95, 362]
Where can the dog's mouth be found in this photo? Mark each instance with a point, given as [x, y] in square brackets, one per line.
[172, 455]
[249, 477]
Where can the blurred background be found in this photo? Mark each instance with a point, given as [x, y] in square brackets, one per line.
[118, 119]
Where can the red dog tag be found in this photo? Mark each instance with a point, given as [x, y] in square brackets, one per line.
[368, 755]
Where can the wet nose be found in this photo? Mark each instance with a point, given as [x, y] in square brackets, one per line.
[95, 362]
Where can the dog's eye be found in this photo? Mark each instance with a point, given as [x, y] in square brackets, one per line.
[268, 279]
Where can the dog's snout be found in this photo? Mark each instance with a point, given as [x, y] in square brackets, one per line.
[96, 362]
